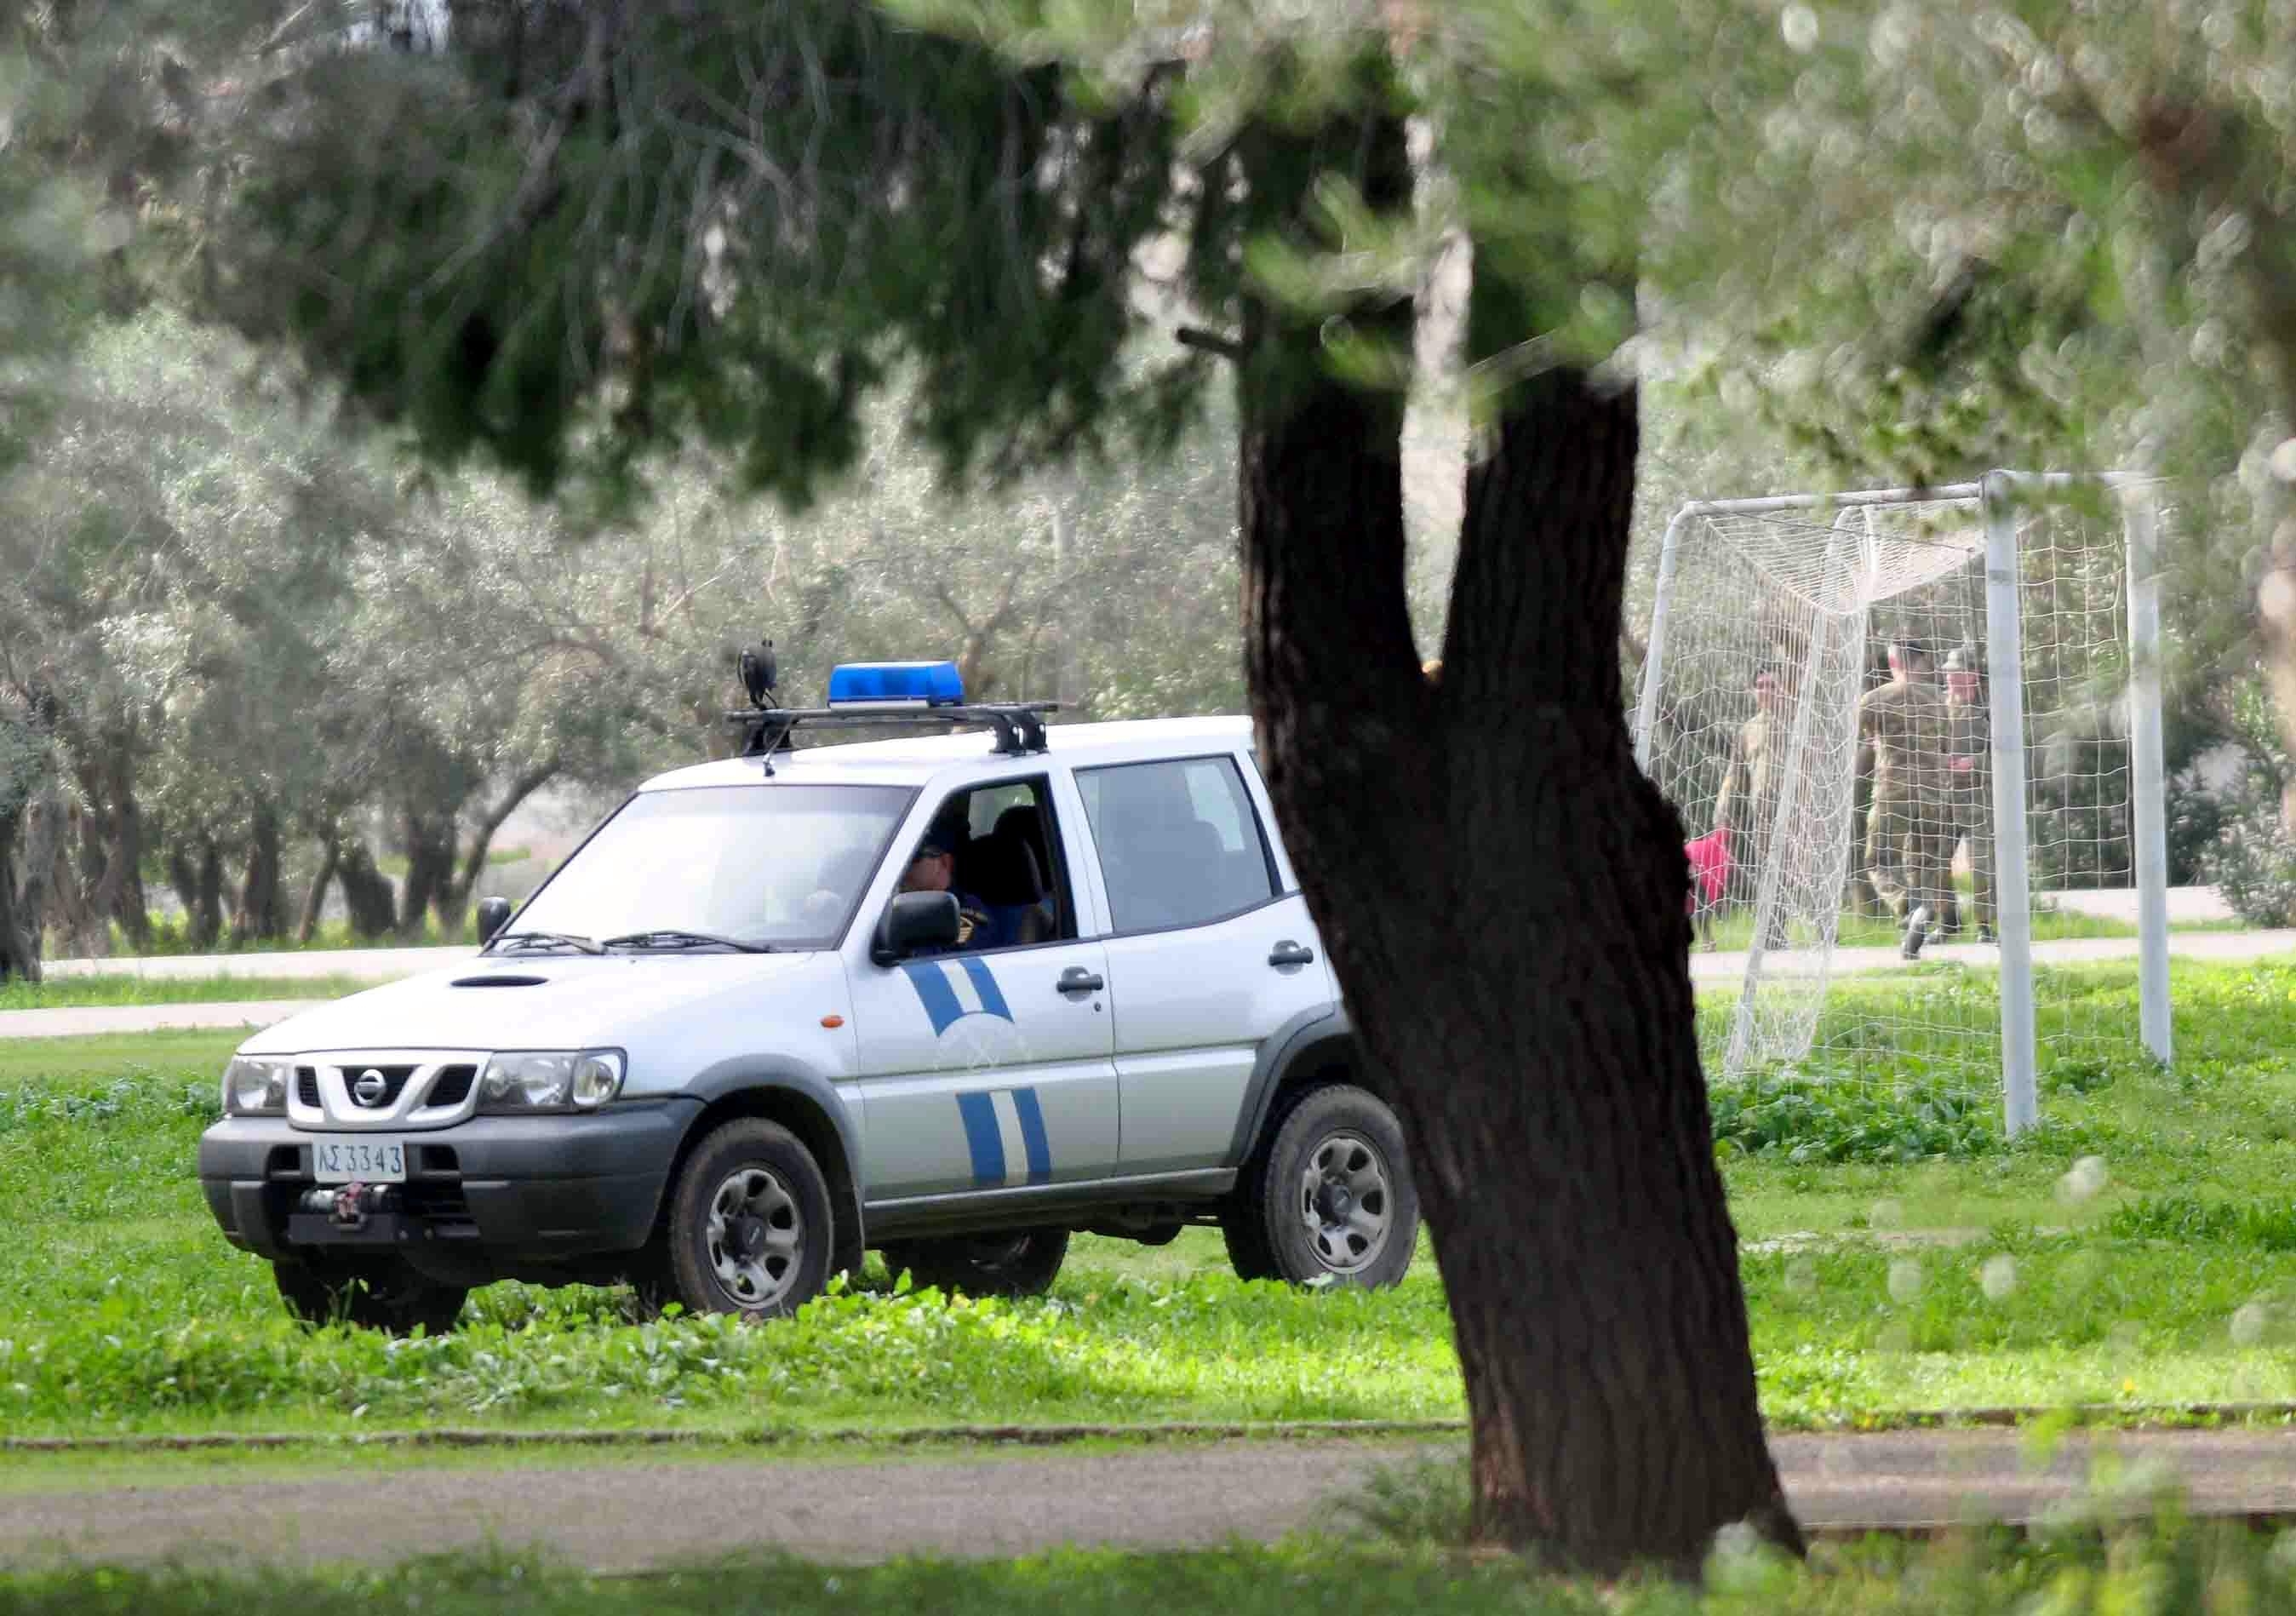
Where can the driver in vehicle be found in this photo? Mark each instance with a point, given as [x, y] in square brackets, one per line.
[932, 868]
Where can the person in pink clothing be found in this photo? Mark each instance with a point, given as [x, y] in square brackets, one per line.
[1709, 879]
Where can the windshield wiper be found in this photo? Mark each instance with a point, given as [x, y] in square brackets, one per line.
[566, 940]
[678, 937]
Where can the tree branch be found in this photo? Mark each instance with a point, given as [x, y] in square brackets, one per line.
[1210, 343]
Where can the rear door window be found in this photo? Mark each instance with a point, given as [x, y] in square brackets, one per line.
[1179, 843]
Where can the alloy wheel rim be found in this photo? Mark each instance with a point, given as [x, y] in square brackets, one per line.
[755, 1238]
[1347, 1201]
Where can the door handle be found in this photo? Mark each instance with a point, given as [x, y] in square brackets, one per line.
[1289, 953]
[1076, 979]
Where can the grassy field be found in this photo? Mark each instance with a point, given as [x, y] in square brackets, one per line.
[2169, 1567]
[2139, 1250]
[72, 992]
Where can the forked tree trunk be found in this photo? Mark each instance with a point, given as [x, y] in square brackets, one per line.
[1503, 892]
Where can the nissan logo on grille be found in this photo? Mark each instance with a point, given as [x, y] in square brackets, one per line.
[370, 1088]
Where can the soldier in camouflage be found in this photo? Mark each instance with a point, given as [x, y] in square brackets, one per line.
[1901, 729]
[1969, 764]
[1747, 805]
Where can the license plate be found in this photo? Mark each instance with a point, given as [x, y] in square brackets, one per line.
[358, 1157]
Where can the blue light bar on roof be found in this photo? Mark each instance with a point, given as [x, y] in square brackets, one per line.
[896, 685]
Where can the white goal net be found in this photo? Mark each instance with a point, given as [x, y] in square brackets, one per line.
[1826, 683]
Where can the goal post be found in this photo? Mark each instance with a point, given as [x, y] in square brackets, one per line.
[1767, 626]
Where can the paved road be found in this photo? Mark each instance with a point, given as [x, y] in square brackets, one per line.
[145, 1018]
[1001, 1504]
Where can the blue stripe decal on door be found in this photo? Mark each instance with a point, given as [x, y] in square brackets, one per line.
[1032, 1136]
[983, 1138]
[992, 996]
[938, 998]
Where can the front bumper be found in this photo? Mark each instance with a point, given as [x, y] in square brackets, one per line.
[496, 1191]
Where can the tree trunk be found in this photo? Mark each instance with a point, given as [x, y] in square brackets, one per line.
[367, 896]
[20, 943]
[196, 872]
[1503, 893]
[430, 867]
[454, 899]
[131, 907]
[315, 901]
[261, 911]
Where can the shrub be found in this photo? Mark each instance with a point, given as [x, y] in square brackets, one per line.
[1805, 1121]
[2254, 862]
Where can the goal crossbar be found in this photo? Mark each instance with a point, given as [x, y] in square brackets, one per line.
[1997, 500]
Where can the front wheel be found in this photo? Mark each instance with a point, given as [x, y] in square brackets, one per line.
[750, 1225]
[372, 1292]
[1019, 1264]
[1330, 1199]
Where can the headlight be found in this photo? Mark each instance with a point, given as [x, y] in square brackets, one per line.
[253, 1087]
[532, 1081]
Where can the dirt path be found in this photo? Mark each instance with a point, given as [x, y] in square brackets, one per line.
[638, 1515]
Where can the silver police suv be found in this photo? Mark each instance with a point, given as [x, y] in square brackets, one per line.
[951, 996]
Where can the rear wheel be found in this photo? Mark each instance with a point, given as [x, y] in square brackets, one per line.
[1330, 1197]
[372, 1292]
[1017, 1263]
[750, 1225]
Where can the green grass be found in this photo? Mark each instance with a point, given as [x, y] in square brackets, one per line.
[73, 992]
[394, 865]
[2161, 1273]
[1735, 928]
[168, 939]
[2166, 1567]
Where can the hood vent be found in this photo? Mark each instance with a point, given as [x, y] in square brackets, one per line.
[500, 981]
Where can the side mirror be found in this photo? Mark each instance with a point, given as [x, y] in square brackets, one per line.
[494, 915]
[914, 921]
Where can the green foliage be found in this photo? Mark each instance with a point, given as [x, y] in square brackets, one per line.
[489, 294]
[2190, 1220]
[2254, 862]
[1803, 1121]
[68, 992]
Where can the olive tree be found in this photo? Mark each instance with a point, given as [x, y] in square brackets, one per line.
[572, 239]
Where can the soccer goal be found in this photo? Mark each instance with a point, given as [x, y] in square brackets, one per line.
[2013, 799]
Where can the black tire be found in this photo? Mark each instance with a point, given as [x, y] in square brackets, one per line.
[751, 1229]
[372, 1292]
[1329, 1198]
[1021, 1262]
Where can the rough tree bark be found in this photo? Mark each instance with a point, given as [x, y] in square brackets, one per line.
[367, 897]
[1503, 892]
[430, 841]
[19, 934]
[261, 911]
[315, 901]
[195, 870]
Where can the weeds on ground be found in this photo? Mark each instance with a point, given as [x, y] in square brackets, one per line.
[2091, 1562]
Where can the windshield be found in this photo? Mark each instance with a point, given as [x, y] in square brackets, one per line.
[782, 865]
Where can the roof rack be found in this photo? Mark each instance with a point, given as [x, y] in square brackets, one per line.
[1020, 725]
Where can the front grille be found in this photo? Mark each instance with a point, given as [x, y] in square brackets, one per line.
[306, 1085]
[453, 1086]
[394, 1078]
